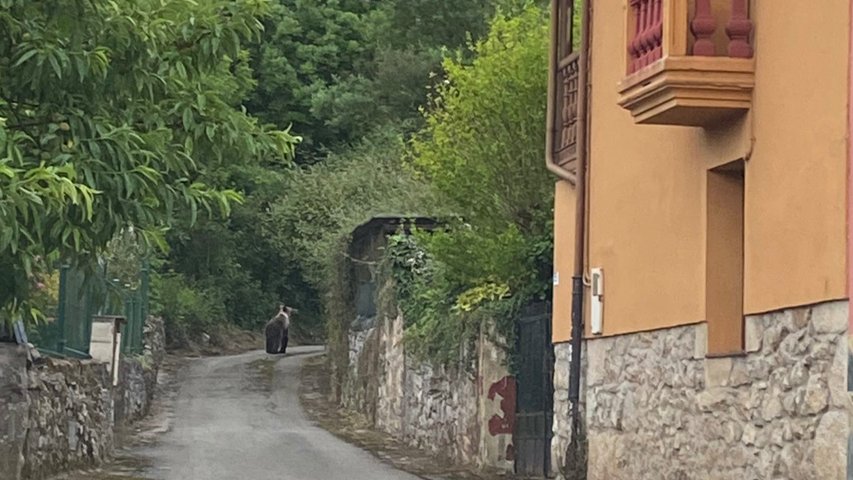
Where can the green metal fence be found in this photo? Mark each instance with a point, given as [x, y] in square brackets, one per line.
[135, 311]
[82, 296]
[68, 329]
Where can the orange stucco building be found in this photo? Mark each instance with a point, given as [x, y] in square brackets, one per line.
[715, 165]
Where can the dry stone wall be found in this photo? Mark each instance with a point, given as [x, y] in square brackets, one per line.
[442, 410]
[361, 382]
[561, 427]
[14, 410]
[62, 414]
[655, 407]
[70, 417]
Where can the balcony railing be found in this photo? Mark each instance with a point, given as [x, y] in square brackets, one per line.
[646, 45]
[567, 148]
[683, 68]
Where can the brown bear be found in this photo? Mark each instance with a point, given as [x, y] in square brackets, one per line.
[276, 330]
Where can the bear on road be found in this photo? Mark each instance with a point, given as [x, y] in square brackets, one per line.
[276, 330]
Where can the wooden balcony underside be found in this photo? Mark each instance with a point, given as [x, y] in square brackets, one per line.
[690, 91]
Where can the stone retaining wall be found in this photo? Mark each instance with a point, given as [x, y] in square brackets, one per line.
[446, 411]
[655, 407]
[561, 427]
[14, 409]
[70, 417]
[62, 414]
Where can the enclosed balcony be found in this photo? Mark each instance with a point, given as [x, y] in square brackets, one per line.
[566, 147]
[689, 62]
[565, 85]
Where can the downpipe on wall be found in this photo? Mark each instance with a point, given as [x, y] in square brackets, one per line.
[577, 179]
[580, 219]
[575, 365]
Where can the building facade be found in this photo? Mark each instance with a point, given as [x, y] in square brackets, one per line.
[712, 142]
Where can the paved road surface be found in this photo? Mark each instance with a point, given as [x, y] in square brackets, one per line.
[239, 417]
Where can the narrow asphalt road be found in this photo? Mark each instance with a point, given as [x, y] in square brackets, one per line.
[238, 417]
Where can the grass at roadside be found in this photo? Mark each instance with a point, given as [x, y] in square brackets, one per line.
[225, 340]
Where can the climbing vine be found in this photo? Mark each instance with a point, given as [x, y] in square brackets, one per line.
[444, 317]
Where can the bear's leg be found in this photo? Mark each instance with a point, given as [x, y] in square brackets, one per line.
[273, 344]
[284, 342]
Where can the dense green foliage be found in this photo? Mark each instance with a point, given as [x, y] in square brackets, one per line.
[482, 149]
[111, 115]
[311, 57]
[357, 79]
[350, 79]
[123, 126]
[337, 69]
[325, 202]
[482, 146]
[312, 221]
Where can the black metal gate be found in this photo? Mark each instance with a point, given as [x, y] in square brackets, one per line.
[534, 414]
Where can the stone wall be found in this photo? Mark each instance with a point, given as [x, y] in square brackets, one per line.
[440, 412]
[14, 410]
[361, 382]
[446, 411]
[561, 427]
[70, 416]
[655, 407]
[58, 415]
[135, 392]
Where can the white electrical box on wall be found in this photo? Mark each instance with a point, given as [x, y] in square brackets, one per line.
[596, 306]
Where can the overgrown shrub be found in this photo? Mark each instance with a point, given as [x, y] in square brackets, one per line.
[483, 146]
[482, 150]
[444, 316]
[314, 216]
[323, 203]
[188, 309]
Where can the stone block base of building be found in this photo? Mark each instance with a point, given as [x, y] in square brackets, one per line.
[655, 407]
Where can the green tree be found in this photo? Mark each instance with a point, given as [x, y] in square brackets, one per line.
[325, 202]
[335, 70]
[482, 150]
[437, 23]
[483, 143]
[110, 114]
[308, 48]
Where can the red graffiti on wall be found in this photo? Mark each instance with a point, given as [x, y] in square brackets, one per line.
[502, 425]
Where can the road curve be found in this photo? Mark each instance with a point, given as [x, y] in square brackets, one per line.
[238, 417]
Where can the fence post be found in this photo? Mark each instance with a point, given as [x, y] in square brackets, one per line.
[88, 314]
[137, 312]
[127, 339]
[143, 300]
[63, 299]
[144, 285]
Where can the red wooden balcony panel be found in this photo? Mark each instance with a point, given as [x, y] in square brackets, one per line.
[646, 29]
[646, 44]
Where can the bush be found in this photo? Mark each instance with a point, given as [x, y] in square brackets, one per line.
[483, 146]
[482, 149]
[323, 203]
[187, 309]
[320, 207]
